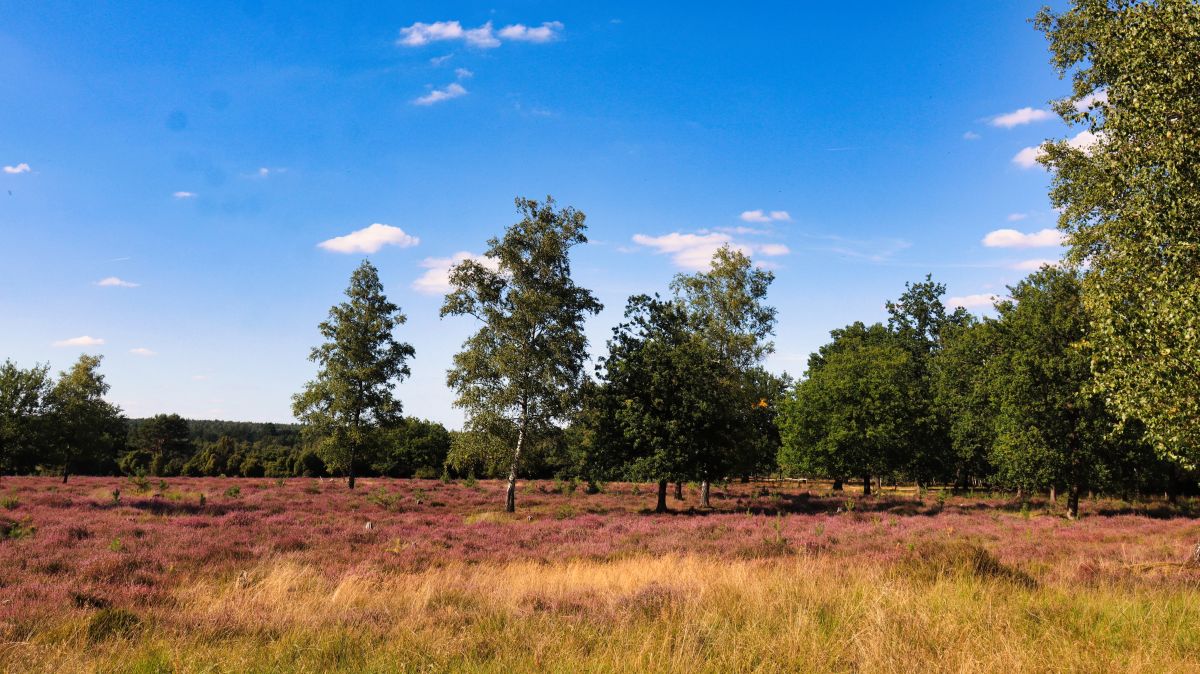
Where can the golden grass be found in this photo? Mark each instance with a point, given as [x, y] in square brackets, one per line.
[689, 614]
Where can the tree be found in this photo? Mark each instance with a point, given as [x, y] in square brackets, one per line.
[963, 396]
[1051, 427]
[726, 304]
[519, 376]
[1128, 188]
[663, 410]
[24, 399]
[920, 323]
[414, 447]
[88, 431]
[163, 443]
[360, 364]
[853, 414]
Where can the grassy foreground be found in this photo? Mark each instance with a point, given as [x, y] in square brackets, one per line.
[659, 614]
[286, 577]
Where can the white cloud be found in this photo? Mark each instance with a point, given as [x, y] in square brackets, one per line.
[19, 168]
[1028, 157]
[971, 135]
[370, 239]
[759, 215]
[1017, 217]
[143, 351]
[982, 300]
[439, 60]
[1093, 99]
[1019, 117]
[484, 37]
[436, 279]
[1011, 238]
[695, 251]
[1034, 265]
[453, 90]
[84, 340]
[114, 282]
[546, 32]
[184, 195]
[420, 34]
[463, 73]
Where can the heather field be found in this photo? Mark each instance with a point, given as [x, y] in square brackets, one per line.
[240, 575]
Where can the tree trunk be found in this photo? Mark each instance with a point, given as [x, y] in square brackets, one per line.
[678, 491]
[662, 497]
[510, 498]
[837, 484]
[65, 473]
[745, 479]
[1053, 494]
[1073, 502]
[704, 490]
[350, 471]
[866, 485]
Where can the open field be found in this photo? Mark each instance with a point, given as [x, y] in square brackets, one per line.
[266, 575]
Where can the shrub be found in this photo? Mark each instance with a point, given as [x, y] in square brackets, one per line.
[13, 530]
[9, 502]
[141, 483]
[111, 622]
[384, 498]
[565, 512]
[933, 560]
[426, 473]
[233, 492]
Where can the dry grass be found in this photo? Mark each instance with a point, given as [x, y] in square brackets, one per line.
[669, 614]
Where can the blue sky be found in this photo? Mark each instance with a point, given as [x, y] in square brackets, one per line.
[170, 169]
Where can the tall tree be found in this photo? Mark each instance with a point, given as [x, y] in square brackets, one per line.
[853, 414]
[360, 364]
[727, 304]
[24, 401]
[920, 323]
[163, 443]
[519, 376]
[662, 408]
[963, 396]
[1051, 427]
[1128, 187]
[89, 431]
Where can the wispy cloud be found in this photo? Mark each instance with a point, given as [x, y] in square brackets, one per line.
[1017, 217]
[439, 60]
[452, 90]
[436, 279]
[463, 73]
[1018, 117]
[1034, 265]
[1011, 238]
[370, 239]
[484, 37]
[971, 135]
[1028, 157]
[143, 351]
[84, 340]
[19, 168]
[877, 250]
[977, 301]
[759, 215]
[184, 195]
[266, 172]
[521, 33]
[1094, 99]
[694, 251]
[114, 282]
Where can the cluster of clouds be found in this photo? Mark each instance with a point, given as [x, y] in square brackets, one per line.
[486, 36]
[17, 169]
[693, 251]
[85, 341]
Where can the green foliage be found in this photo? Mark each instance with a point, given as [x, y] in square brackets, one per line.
[14, 530]
[24, 403]
[162, 444]
[233, 492]
[663, 411]
[88, 431]
[855, 413]
[352, 399]
[519, 376]
[1130, 203]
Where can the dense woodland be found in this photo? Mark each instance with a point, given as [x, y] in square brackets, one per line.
[1083, 380]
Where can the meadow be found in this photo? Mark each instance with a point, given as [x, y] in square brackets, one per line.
[260, 575]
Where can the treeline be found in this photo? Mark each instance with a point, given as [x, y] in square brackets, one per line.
[63, 426]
